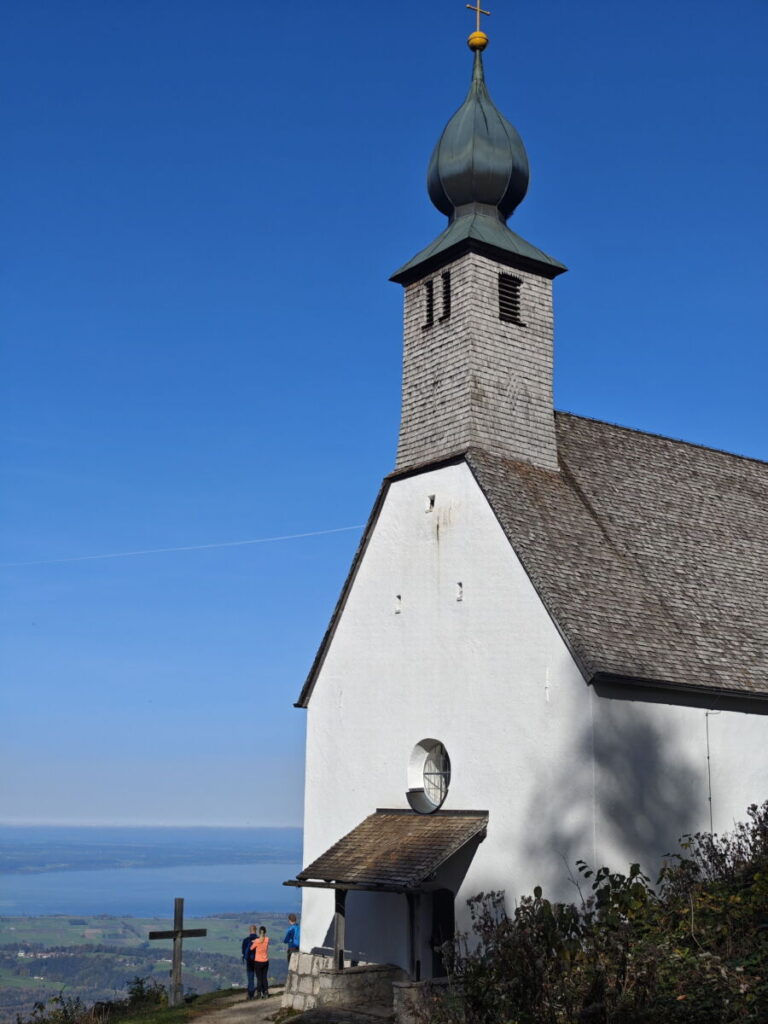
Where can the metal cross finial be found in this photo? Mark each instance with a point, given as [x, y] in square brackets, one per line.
[478, 11]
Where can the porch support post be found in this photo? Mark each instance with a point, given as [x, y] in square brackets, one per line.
[339, 923]
[414, 913]
[411, 935]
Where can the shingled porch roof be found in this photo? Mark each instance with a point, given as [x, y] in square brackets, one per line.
[393, 850]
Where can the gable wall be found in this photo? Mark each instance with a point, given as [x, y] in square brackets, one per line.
[564, 773]
[489, 676]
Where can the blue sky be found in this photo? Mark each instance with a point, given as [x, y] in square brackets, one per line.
[201, 204]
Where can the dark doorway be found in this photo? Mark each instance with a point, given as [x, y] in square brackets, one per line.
[443, 928]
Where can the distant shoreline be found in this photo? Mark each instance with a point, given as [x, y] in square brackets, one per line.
[26, 871]
[36, 850]
[139, 871]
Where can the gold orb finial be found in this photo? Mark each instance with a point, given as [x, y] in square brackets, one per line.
[477, 41]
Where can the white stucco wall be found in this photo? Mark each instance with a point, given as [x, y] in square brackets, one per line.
[489, 676]
[564, 774]
[651, 778]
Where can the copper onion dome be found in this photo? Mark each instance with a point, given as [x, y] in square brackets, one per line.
[480, 159]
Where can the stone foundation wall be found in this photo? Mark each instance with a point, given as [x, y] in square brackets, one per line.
[412, 999]
[302, 983]
[313, 981]
[370, 985]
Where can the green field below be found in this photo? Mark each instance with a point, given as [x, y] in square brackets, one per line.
[95, 958]
[224, 933]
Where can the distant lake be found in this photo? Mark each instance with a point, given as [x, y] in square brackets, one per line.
[148, 892]
[140, 871]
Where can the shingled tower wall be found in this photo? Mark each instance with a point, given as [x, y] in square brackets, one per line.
[472, 379]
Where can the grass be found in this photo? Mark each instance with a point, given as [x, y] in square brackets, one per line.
[8, 980]
[181, 1014]
[224, 934]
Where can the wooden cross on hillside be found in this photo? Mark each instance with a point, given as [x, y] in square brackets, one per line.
[176, 994]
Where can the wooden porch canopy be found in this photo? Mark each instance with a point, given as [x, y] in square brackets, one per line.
[391, 851]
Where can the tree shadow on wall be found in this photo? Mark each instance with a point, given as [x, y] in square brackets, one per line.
[628, 776]
[648, 792]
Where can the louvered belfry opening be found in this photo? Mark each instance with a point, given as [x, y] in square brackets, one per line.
[446, 279]
[509, 299]
[429, 304]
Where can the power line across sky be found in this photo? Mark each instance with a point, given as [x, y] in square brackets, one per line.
[185, 547]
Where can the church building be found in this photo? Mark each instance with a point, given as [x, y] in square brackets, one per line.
[552, 643]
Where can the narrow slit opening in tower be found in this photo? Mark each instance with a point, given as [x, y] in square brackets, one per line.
[445, 277]
[429, 299]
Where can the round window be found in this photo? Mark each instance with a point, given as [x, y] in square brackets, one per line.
[429, 776]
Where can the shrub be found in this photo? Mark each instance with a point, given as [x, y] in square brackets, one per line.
[60, 1009]
[144, 994]
[694, 950]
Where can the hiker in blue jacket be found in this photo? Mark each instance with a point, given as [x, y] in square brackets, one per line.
[249, 960]
[292, 937]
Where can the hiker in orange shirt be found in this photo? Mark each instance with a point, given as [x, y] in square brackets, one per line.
[260, 951]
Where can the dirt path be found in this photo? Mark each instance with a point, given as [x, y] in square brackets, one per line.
[236, 1009]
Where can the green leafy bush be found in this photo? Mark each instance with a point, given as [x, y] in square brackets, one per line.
[694, 950]
[144, 994]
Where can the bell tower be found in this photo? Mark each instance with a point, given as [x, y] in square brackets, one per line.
[478, 334]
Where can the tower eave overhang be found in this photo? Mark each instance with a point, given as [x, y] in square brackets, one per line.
[486, 236]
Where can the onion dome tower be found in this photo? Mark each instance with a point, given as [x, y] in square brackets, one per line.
[477, 366]
[479, 160]
[477, 177]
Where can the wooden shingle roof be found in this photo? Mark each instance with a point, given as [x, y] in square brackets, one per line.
[394, 850]
[650, 554]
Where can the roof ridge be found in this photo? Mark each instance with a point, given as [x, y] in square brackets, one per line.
[662, 437]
